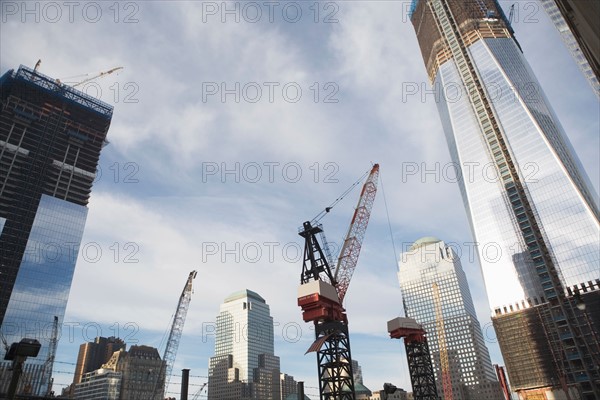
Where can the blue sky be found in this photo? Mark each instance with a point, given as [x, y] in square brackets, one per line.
[193, 179]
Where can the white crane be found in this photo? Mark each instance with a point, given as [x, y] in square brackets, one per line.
[175, 334]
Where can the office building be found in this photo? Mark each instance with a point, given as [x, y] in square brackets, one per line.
[51, 136]
[288, 385]
[360, 389]
[142, 373]
[577, 23]
[531, 207]
[93, 354]
[448, 316]
[101, 384]
[244, 365]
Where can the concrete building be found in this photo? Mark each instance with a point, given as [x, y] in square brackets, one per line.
[400, 394]
[142, 373]
[430, 262]
[51, 136]
[93, 355]
[288, 385]
[244, 365]
[101, 384]
[537, 235]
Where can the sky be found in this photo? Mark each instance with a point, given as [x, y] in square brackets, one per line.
[233, 124]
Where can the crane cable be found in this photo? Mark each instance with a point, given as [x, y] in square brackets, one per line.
[387, 213]
[340, 198]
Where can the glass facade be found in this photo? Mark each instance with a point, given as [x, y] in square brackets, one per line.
[531, 207]
[244, 363]
[589, 12]
[42, 287]
[429, 261]
[51, 136]
[555, 182]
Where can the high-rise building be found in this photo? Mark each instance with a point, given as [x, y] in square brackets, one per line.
[288, 386]
[244, 365]
[93, 354]
[142, 373]
[51, 136]
[360, 389]
[455, 334]
[530, 205]
[577, 23]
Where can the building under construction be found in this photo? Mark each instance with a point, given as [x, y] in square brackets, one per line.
[51, 136]
[537, 360]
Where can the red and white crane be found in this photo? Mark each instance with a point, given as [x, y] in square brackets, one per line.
[322, 292]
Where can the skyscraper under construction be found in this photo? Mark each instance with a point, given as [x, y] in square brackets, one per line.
[530, 205]
[51, 136]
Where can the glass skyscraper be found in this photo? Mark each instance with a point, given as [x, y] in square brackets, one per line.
[429, 261]
[576, 35]
[530, 205]
[244, 365]
[51, 136]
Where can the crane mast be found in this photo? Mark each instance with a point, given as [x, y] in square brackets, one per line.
[420, 368]
[441, 333]
[175, 334]
[322, 292]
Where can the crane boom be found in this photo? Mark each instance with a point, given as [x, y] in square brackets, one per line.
[441, 333]
[175, 333]
[348, 258]
[99, 75]
[47, 369]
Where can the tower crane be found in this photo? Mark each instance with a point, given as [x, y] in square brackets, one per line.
[419, 358]
[511, 14]
[90, 78]
[322, 291]
[99, 75]
[174, 336]
[441, 333]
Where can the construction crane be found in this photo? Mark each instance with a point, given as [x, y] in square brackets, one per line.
[174, 336]
[419, 358]
[86, 80]
[511, 14]
[321, 294]
[95, 76]
[441, 333]
[197, 395]
[48, 365]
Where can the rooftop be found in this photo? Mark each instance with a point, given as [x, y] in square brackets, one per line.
[55, 88]
[423, 241]
[242, 294]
